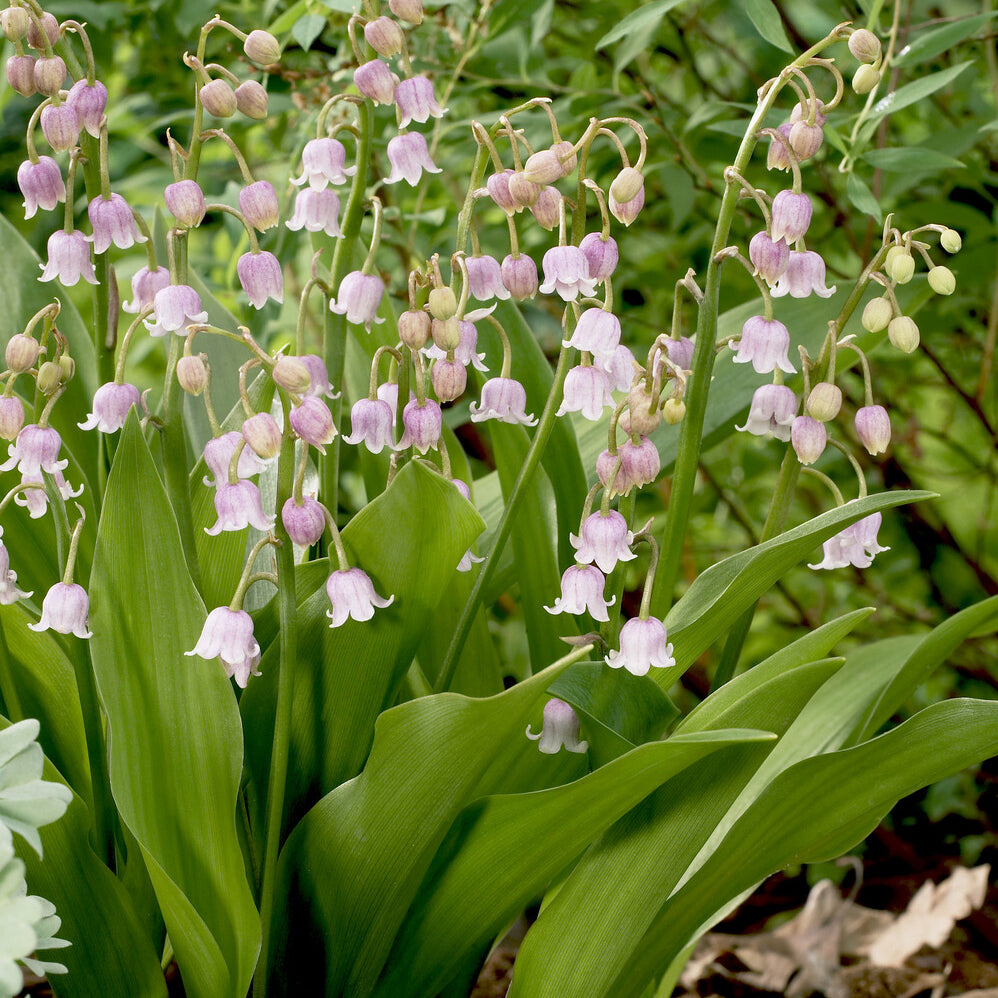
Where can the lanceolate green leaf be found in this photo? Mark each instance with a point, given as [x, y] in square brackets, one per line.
[477, 884]
[766, 18]
[173, 729]
[642, 21]
[814, 811]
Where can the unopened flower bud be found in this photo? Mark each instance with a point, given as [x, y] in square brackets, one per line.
[808, 438]
[49, 75]
[11, 416]
[20, 71]
[414, 328]
[251, 100]
[519, 274]
[873, 427]
[903, 333]
[542, 167]
[50, 26]
[523, 192]
[384, 36]
[218, 98]
[262, 47]
[824, 401]
[21, 353]
[865, 80]
[627, 185]
[899, 265]
[407, 10]
[262, 435]
[60, 126]
[192, 375]
[443, 303]
[877, 314]
[547, 208]
[185, 201]
[942, 281]
[16, 22]
[643, 410]
[446, 333]
[673, 411]
[49, 377]
[805, 139]
[291, 374]
[68, 367]
[449, 379]
[864, 45]
[950, 240]
[375, 80]
[567, 157]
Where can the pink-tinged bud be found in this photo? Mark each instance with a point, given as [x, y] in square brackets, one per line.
[626, 211]
[449, 380]
[640, 462]
[423, 426]
[414, 328]
[262, 435]
[218, 98]
[90, 103]
[21, 353]
[416, 101]
[566, 156]
[805, 139]
[877, 313]
[801, 112]
[49, 75]
[376, 81]
[49, 25]
[522, 191]
[824, 402]
[407, 10]
[304, 522]
[20, 71]
[11, 416]
[606, 463]
[112, 221]
[259, 205]
[519, 274]
[627, 185]
[873, 427]
[791, 216]
[15, 21]
[313, 422]
[808, 437]
[446, 333]
[643, 411]
[262, 47]
[769, 256]
[777, 157]
[601, 254]
[261, 277]
[485, 278]
[251, 100]
[547, 208]
[864, 45]
[409, 157]
[185, 201]
[192, 375]
[903, 333]
[865, 80]
[498, 187]
[60, 126]
[384, 36]
[291, 374]
[543, 167]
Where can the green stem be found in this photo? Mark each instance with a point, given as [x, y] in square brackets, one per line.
[282, 719]
[611, 629]
[510, 510]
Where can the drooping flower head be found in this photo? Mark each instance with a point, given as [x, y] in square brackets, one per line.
[64, 609]
[228, 635]
[804, 275]
[566, 271]
[316, 211]
[855, 545]
[69, 259]
[238, 506]
[351, 594]
[582, 592]
[145, 284]
[643, 644]
[111, 405]
[423, 425]
[259, 205]
[175, 307]
[765, 343]
[560, 727]
[587, 390]
[113, 222]
[304, 522]
[504, 399]
[358, 298]
[601, 254]
[41, 184]
[260, 275]
[324, 162]
[597, 331]
[409, 157]
[371, 424]
[485, 278]
[218, 456]
[9, 593]
[416, 102]
[89, 102]
[772, 411]
[313, 422]
[35, 450]
[604, 540]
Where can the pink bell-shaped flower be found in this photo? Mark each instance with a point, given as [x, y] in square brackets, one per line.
[89, 102]
[519, 275]
[228, 635]
[175, 307]
[560, 727]
[873, 427]
[65, 609]
[791, 216]
[313, 422]
[69, 259]
[41, 184]
[351, 594]
[587, 390]
[765, 343]
[9, 593]
[260, 275]
[318, 373]
[773, 409]
[259, 205]
[804, 275]
[35, 450]
[111, 405]
[770, 257]
[597, 331]
[304, 522]
[316, 211]
[145, 284]
[423, 426]
[113, 222]
[855, 545]
[358, 298]
[371, 424]
[566, 271]
[808, 437]
[218, 456]
[601, 254]
[606, 464]
[60, 126]
[375, 80]
[504, 399]
[643, 644]
[626, 211]
[618, 367]
[582, 592]
[485, 278]
[604, 540]
[409, 157]
[416, 102]
[36, 501]
[640, 462]
[238, 506]
[324, 162]
[467, 350]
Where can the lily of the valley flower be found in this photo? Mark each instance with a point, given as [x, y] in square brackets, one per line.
[228, 635]
[504, 399]
[111, 405]
[560, 727]
[772, 411]
[855, 545]
[351, 594]
[582, 592]
[643, 644]
[64, 609]
[604, 540]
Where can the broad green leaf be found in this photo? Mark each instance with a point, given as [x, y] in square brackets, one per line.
[612, 895]
[934, 42]
[409, 541]
[766, 18]
[476, 884]
[861, 196]
[173, 729]
[911, 93]
[111, 954]
[642, 21]
[909, 159]
[717, 596]
[814, 811]
[306, 29]
[354, 864]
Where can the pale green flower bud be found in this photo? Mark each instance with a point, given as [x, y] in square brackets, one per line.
[292, 375]
[903, 333]
[899, 265]
[49, 377]
[218, 98]
[446, 333]
[443, 303]
[942, 281]
[825, 401]
[414, 328]
[877, 314]
[15, 21]
[673, 411]
[21, 353]
[627, 185]
[950, 240]
[865, 79]
[192, 375]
